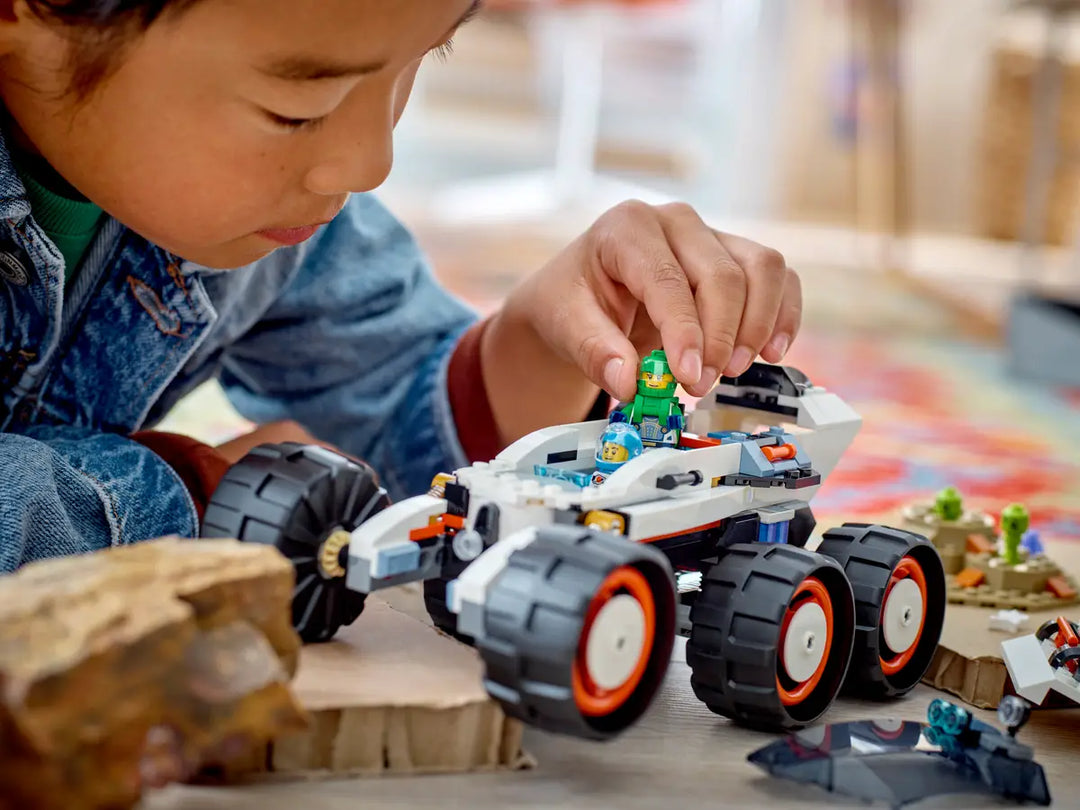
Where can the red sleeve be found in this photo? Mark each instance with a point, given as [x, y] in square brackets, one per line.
[200, 466]
[469, 402]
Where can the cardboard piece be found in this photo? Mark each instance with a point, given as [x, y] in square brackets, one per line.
[968, 661]
[391, 694]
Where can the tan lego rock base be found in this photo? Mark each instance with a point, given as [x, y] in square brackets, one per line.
[97, 651]
[949, 537]
[392, 695]
[968, 662]
[1022, 587]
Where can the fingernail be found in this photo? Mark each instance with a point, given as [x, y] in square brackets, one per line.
[740, 361]
[691, 366]
[780, 345]
[611, 374]
[708, 378]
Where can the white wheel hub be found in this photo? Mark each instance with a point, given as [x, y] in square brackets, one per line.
[616, 640]
[901, 615]
[804, 642]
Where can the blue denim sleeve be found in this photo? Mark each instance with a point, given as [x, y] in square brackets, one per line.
[70, 491]
[357, 349]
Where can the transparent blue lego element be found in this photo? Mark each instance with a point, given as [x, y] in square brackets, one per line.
[773, 532]
[907, 763]
[947, 717]
[398, 560]
[1031, 542]
[578, 479]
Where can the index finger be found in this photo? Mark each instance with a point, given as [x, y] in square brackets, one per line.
[639, 257]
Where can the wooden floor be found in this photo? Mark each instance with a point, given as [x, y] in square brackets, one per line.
[679, 756]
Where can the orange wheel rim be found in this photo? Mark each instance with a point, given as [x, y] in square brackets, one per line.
[810, 591]
[591, 698]
[907, 568]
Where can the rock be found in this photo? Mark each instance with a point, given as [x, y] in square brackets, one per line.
[140, 663]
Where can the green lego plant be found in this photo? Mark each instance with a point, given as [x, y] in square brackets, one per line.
[1014, 522]
[655, 410]
[949, 505]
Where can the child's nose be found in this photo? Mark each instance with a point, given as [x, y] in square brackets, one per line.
[358, 159]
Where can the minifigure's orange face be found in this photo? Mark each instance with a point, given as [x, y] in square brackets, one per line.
[232, 127]
[615, 452]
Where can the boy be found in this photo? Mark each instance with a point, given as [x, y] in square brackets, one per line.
[183, 190]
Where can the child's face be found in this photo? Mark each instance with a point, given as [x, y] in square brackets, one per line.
[181, 143]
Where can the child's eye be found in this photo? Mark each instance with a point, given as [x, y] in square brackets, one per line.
[294, 124]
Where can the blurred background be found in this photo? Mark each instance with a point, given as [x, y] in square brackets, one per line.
[918, 162]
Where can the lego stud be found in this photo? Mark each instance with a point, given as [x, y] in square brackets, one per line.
[467, 545]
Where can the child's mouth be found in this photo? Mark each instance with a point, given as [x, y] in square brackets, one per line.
[289, 236]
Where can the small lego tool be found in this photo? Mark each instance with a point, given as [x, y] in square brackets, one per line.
[655, 410]
[616, 446]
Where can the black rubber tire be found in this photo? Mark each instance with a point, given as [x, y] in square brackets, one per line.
[441, 617]
[534, 618]
[292, 496]
[733, 649]
[1049, 629]
[869, 554]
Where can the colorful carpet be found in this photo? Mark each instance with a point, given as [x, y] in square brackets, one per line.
[938, 414]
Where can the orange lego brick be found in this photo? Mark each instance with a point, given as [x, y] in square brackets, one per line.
[970, 578]
[1060, 588]
[979, 544]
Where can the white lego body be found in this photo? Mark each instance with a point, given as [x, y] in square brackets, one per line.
[1028, 662]
[816, 420]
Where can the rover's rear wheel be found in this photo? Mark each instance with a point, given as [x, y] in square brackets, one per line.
[899, 584]
[304, 500]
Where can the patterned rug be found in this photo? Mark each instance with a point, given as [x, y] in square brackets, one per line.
[940, 413]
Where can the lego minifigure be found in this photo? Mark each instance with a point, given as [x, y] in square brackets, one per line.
[618, 444]
[655, 411]
[1014, 522]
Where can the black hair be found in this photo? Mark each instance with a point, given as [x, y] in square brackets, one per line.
[99, 30]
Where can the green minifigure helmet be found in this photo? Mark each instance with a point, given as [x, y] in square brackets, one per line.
[656, 379]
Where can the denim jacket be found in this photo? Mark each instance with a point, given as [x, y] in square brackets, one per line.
[348, 334]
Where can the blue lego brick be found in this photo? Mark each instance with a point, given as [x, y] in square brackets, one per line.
[773, 532]
[730, 436]
[753, 462]
[398, 559]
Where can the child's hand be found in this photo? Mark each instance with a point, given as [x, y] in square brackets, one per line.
[645, 276]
